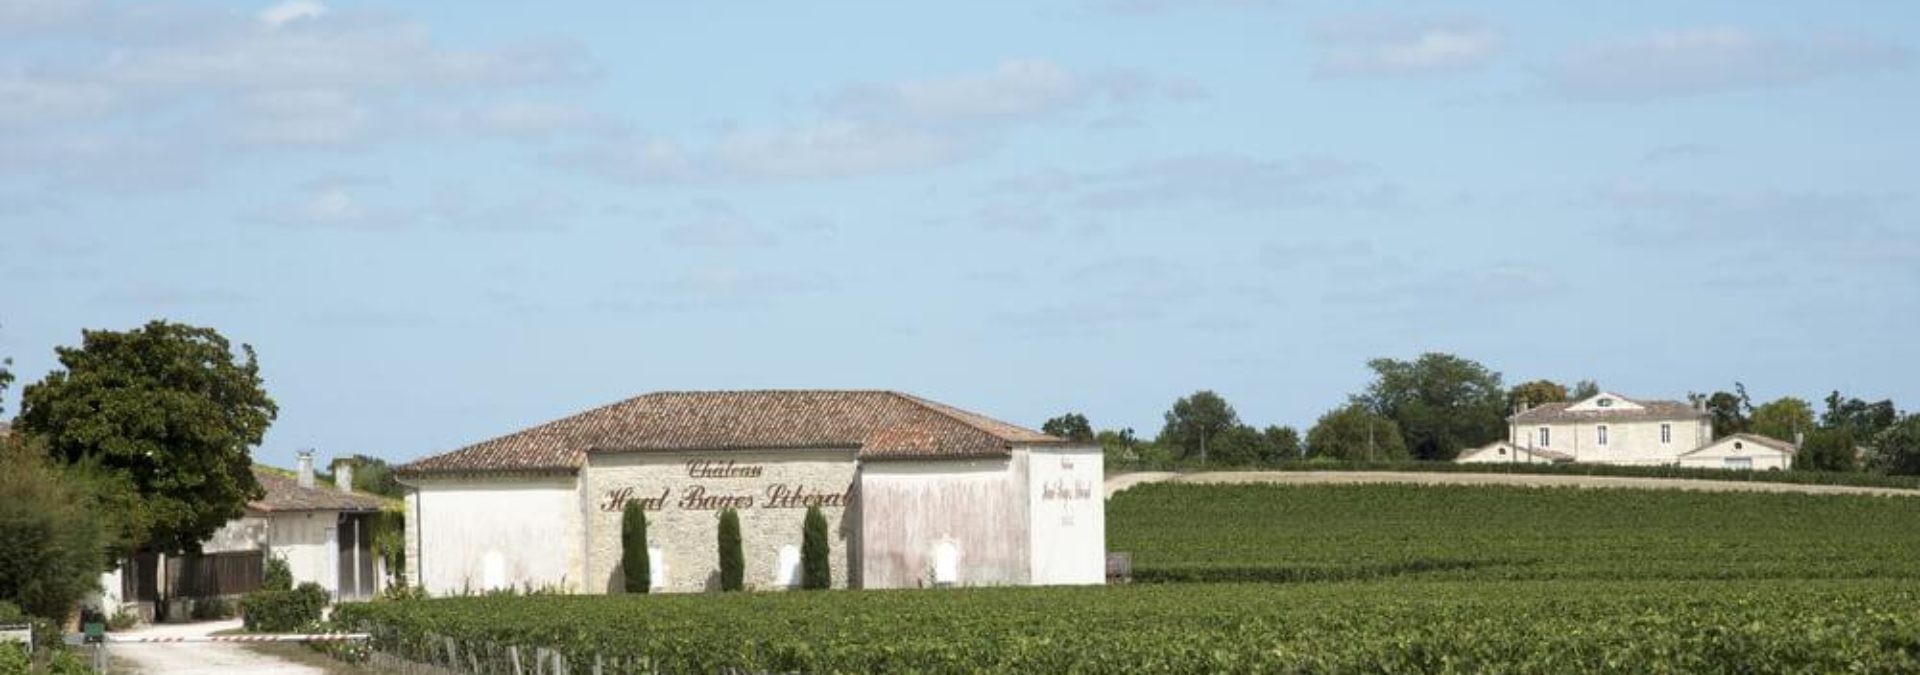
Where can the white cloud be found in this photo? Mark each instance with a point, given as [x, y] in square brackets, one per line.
[292, 10]
[871, 129]
[1372, 46]
[1014, 91]
[153, 94]
[524, 120]
[1706, 60]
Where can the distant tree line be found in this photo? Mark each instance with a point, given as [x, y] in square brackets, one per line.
[1438, 405]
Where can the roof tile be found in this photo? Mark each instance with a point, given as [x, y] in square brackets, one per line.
[880, 424]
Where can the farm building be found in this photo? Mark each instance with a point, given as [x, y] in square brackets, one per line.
[323, 533]
[916, 494]
[1608, 428]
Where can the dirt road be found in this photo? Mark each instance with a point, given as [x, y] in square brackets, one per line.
[196, 658]
[1123, 481]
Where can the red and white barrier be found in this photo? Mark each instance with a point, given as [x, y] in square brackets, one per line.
[315, 637]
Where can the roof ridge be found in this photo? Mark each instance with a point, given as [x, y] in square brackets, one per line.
[961, 416]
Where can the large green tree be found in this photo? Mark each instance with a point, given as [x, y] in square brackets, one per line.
[1441, 402]
[1784, 418]
[167, 408]
[1071, 426]
[1195, 421]
[1537, 392]
[1283, 444]
[1897, 449]
[1866, 420]
[1729, 410]
[1827, 450]
[1239, 444]
[1355, 433]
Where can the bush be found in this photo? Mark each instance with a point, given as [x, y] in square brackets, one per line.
[13, 658]
[122, 620]
[210, 609]
[53, 543]
[733, 563]
[275, 611]
[634, 564]
[276, 576]
[815, 570]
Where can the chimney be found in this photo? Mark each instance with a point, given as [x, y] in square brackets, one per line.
[306, 468]
[343, 475]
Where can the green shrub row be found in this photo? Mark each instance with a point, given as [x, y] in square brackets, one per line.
[1429, 627]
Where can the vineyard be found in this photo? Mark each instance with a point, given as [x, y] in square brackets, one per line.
[1326, 532]
[1404, 579]
[1537, 627]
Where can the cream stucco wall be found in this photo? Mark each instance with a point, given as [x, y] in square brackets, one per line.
[1628, 442]
[1501, 453]
[469, 535]
[911, 508]
[306, 540]
[1715, 456]
[1067, 539]
[683, 493]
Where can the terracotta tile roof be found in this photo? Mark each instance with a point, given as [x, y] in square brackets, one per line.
[285, 494]
[1651, 410]
[880, 424]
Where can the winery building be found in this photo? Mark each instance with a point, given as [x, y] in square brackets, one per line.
[916, 494]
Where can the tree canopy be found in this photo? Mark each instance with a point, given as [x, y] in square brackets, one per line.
[1897, 449]
[1866, 420]
[1537, 392]
[1827, 450]
[1355, 433]
[1783, 418]
[1071, 426]
[1441, 402]
[1195, 420]
[167, 408]
[1729, 410]
[54, 537]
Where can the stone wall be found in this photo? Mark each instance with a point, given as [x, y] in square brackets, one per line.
[683, 493]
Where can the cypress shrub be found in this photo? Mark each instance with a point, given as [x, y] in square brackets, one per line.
[633, 549]
[733, 563]
[815, 571]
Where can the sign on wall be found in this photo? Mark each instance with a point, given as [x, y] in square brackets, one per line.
[713, 497]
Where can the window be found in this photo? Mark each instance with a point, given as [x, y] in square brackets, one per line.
[1603, 434]
[1604, 403]
[1546, 439]
[1666, 434]
[1739, 463]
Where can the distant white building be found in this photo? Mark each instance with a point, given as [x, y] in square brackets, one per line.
[323, 533]
[1608, 428]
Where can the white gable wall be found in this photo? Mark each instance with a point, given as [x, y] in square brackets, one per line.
[1756, 455]
[472, 535]
[1067, 507]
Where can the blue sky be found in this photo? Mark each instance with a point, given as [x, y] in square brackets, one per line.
[441, 222]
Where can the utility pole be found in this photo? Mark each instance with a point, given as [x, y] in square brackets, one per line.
[1369, 439]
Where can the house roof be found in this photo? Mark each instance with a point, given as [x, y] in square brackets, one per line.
[284, 494]
[879, 424]
[1756, 439]
[1648, 410]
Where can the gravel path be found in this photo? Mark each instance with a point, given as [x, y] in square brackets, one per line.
[1123, 481]
[197, 658]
